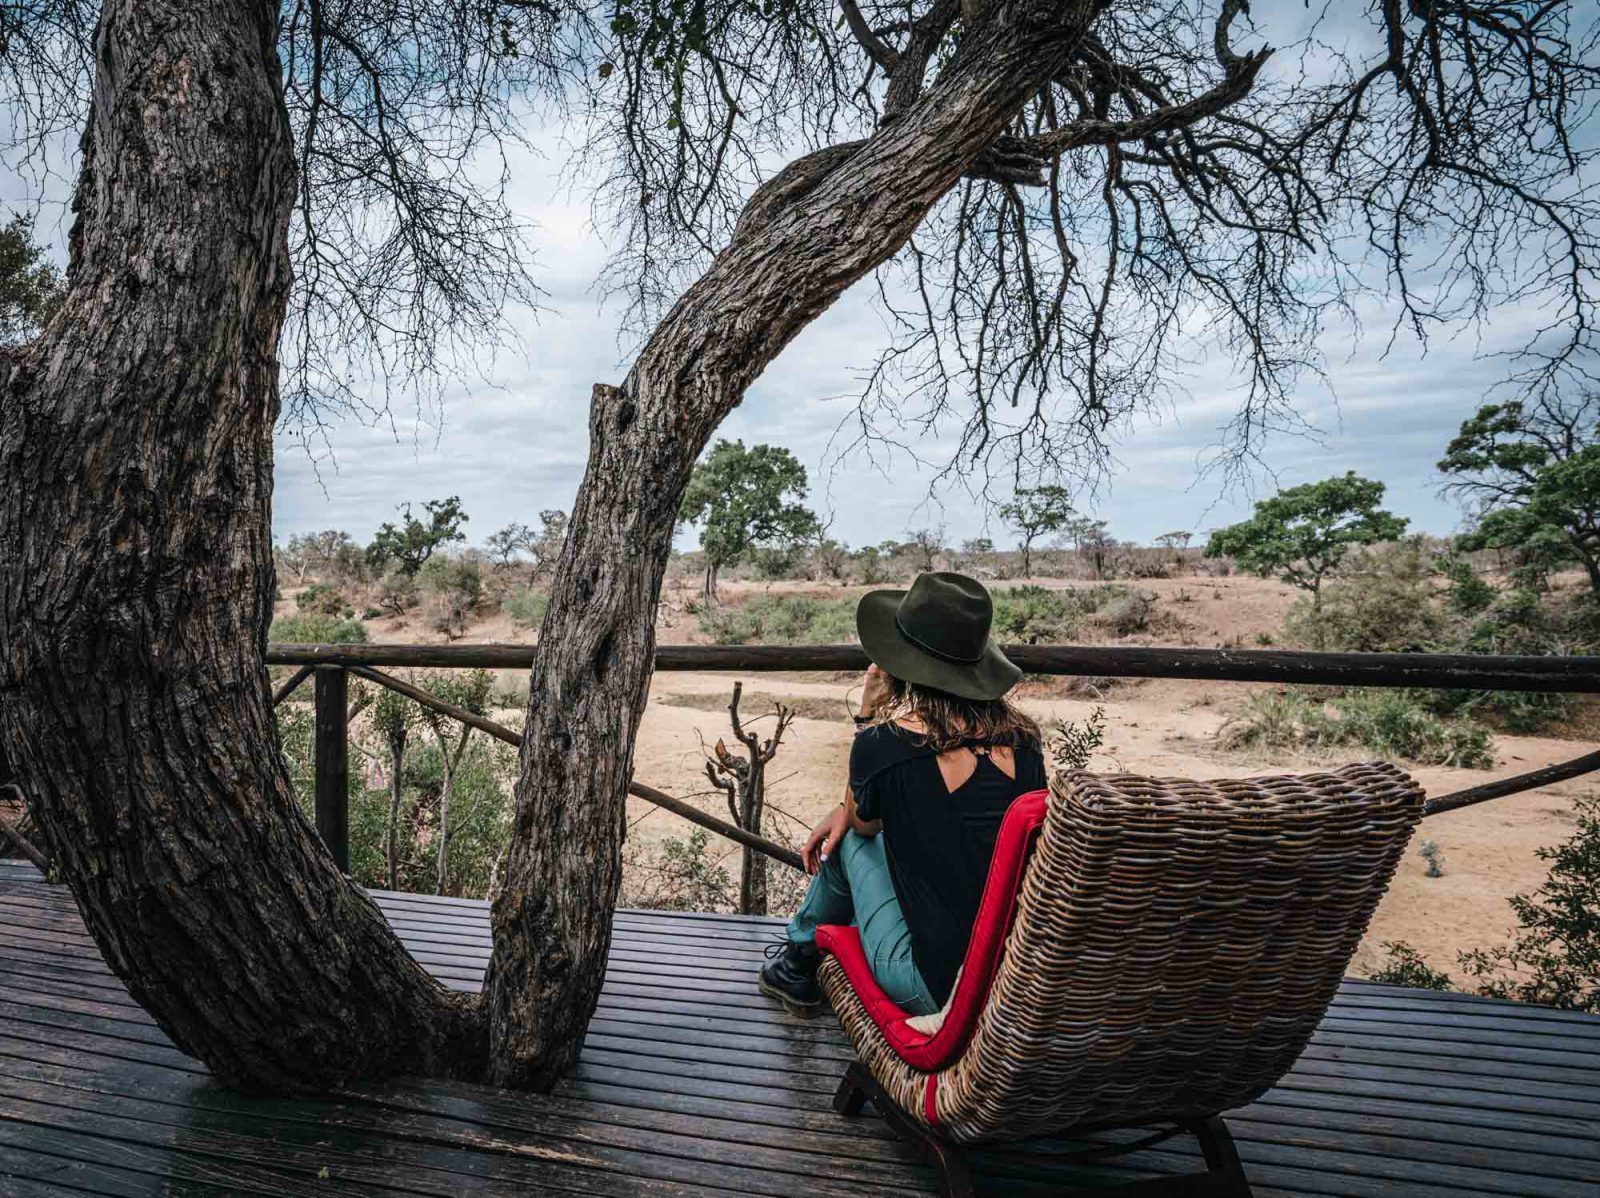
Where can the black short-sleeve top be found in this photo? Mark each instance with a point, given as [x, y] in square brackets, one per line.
[938, 841]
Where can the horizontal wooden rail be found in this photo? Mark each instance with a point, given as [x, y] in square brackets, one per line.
[1462, 671]
[1454, 671]
[638, 789]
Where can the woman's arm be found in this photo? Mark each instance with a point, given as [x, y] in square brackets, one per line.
[865, 827]
[825, 837]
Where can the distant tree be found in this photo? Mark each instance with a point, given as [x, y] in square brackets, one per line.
[974, 546]
[453, 587]
[292, 557]
[927, 542]
[1531, 471]
[745, 499]
[30, 287]
[506, 546]
[1091, 541]
[412, 542]
[1036, 512]
[396, 592]
[1304, 532]
[322, 554]
[871, 566]
[1175, 541]
[552, 536]
[833, 558]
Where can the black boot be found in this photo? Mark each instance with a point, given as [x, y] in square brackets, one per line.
[791, 977]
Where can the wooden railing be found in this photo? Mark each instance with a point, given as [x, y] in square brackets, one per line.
[330, 665]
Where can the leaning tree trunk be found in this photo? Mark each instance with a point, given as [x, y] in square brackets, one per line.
[136, 580]
[816, 228]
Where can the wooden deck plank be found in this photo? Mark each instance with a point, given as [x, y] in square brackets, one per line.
[691, 1083]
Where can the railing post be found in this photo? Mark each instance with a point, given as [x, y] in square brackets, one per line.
[332, 763]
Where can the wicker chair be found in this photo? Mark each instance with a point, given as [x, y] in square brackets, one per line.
[1148, 952]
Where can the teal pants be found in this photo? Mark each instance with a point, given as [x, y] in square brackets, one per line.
[854, 887]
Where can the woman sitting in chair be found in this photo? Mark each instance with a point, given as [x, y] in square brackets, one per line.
[939, 757]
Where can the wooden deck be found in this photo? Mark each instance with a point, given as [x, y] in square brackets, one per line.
[692, 1084]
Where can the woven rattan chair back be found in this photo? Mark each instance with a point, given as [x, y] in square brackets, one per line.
[1175, 945]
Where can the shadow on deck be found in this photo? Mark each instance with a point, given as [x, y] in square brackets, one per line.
[692, 1084]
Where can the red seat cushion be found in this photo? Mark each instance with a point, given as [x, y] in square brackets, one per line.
[932, 1052]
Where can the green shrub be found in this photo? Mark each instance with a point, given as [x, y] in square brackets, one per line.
[1380, 602]
[1071, 744]
[295, 740]
[1468, 594]
[677, 875]
[1406, 967]
[1522, 712]
[1121, 611]
[1555, 957]
[526, 606]
[1270, 720]
[481, 808]
[1398, 724]
[781, 620]
[1033, 615]
[871, 566]
[396, 592]
[1044, 615]
[1393, 724]
[317, 629]
[323, 599]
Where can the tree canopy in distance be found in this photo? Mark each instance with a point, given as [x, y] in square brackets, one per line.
[30, 287]
[1531, 472]
[413, 541]
[1035, 512]
[746, 499]
[289, 200]
[1302, 533]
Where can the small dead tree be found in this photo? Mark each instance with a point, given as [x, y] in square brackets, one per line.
[744, 781]
[928, 542]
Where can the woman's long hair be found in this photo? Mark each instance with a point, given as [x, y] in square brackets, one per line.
[949, 721]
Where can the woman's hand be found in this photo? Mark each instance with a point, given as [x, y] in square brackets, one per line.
[875, 688]
[824, 839]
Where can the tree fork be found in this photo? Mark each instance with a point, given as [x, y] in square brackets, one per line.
[136, 582]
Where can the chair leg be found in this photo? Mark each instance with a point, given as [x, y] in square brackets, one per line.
[1225, 1169]
[851, 1096]
[859, 1085]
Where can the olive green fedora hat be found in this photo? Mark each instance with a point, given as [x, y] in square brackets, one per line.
[937, 634]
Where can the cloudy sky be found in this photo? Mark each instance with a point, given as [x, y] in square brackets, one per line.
[515, 444]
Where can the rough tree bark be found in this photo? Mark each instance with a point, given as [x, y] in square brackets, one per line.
[136, 580]
[819, 226]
